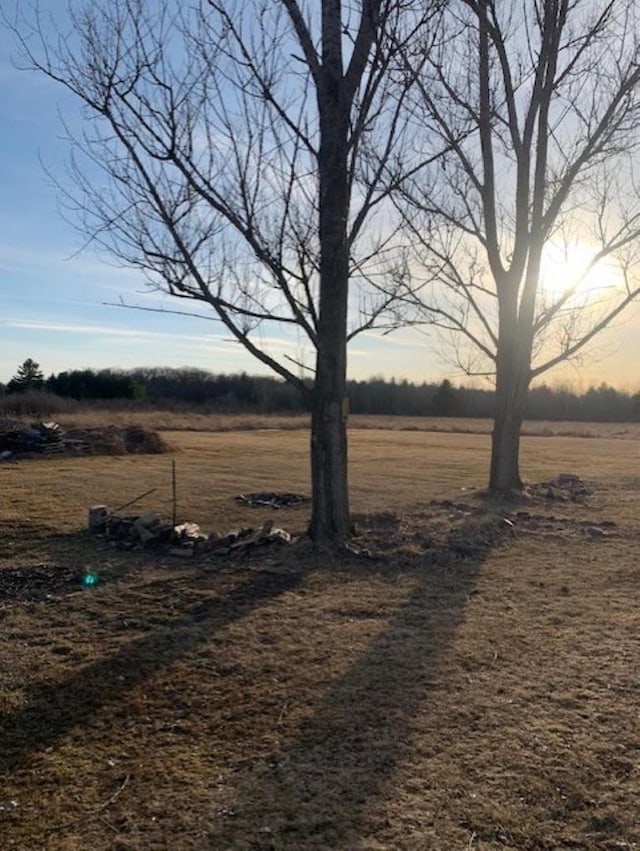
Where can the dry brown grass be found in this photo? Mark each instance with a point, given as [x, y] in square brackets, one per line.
[475, 687]
[162, 420]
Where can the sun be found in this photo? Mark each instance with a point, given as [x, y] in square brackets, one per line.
[570, 266]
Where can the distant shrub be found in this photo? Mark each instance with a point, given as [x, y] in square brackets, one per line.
[36, 403]
[140, 439]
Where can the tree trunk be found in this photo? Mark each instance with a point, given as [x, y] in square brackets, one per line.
[505, 452]
[330, 517]
[512, 384]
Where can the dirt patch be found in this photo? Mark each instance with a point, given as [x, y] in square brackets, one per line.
[37, 582]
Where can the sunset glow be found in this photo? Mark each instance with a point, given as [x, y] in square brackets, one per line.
[571, 265]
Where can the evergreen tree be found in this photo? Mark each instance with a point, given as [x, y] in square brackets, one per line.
[445, 400]
[28, 377]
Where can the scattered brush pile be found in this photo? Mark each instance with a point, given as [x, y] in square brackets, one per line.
[272, 499]
[566, 487]
[46, 438]
[115, 440]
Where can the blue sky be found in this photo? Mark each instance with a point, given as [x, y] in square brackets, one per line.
[53, 299]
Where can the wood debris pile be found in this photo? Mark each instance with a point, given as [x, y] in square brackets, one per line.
[46, 438]
[184, 539]
[43, 438]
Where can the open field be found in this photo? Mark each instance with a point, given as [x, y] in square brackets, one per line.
[469, 684]
[192, 421]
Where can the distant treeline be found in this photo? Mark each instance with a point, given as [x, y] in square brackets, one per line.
[167, 387]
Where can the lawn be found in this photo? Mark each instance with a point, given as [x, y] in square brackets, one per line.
[468, 678]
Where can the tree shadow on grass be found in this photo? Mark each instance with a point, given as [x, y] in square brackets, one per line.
[39, 563]
[320, 789]
[54, 709]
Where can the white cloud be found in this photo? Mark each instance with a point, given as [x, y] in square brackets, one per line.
[104, 330]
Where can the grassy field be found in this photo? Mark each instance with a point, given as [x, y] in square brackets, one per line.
[176, 421]
[462, 683]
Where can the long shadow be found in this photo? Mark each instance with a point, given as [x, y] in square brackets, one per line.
[38, 562]
[323, 784]
[320, 791]
[54, 709]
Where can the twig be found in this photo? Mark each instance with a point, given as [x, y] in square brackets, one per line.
[282, 712]
[115, 794]
[94, 812]
[107, 823]
[161, 310]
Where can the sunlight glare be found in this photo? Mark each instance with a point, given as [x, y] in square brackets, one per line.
[568, 265]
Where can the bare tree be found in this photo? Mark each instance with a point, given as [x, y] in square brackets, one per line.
[537, 103]
[224, 155]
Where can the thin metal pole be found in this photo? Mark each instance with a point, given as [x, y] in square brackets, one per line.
[173, 490]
